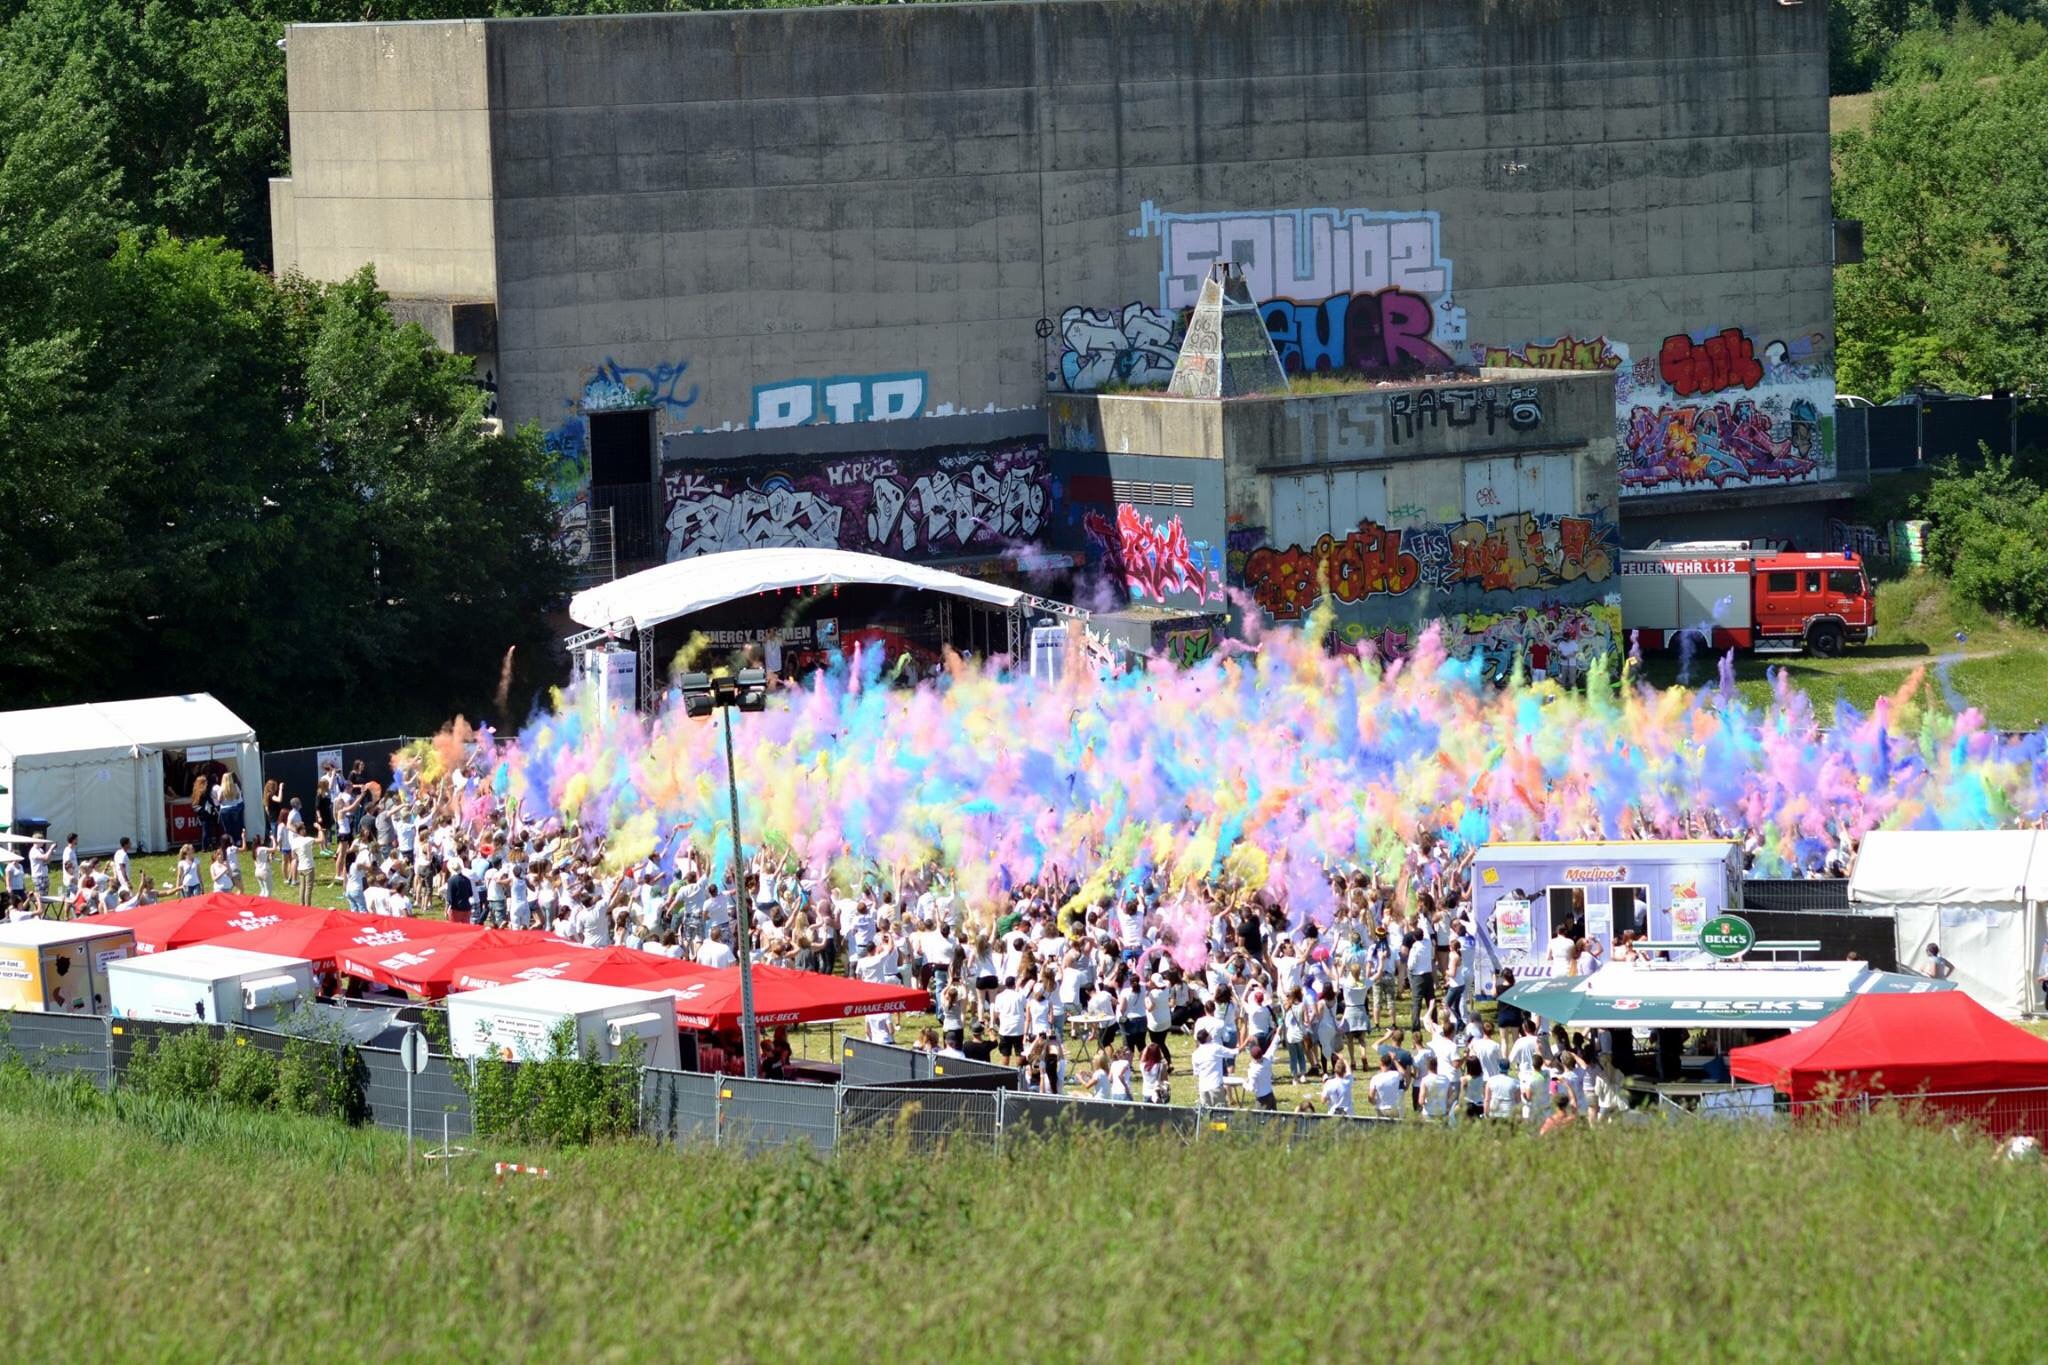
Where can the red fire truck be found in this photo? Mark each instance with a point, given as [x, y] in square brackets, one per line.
[1732, 594]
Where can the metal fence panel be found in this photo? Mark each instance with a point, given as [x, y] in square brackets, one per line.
[60, 1042]
[679, 1106]
[989, 1075]
[1796, 894]
[927, 1117]
[1286, 1127]
[864, 1063]
[435, 1094]
[1025, 1112]
[1871, 937]
[759, 1114]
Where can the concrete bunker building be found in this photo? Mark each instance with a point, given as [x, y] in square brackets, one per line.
[885, 278]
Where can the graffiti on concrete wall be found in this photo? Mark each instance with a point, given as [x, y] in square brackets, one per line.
[1577, 633]
[1527, 550]
[1562, 353]
[845, 398]
[1188, 647]
[917, 505]
[1513, 409]
[1155, 560]
[1339, 289]
[1519, 553]
[1717, 409]
[1131, 345]
[1367, 562]
[607, 386]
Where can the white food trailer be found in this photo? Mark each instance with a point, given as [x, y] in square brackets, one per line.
[516, 1021]
[209, 984]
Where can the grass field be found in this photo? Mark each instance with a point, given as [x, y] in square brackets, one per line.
[170, 1232]
[1997, 666]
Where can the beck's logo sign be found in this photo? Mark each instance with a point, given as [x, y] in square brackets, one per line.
[1727, 936]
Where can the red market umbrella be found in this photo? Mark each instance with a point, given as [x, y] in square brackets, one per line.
[570, 962]
[429, 966]
[176, 924]
[709, 997]
[324, 937]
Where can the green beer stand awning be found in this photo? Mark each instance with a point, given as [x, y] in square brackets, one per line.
[1691, 995]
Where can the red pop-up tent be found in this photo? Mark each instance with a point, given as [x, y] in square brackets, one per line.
[709, 997]
[325, 935]
[178, 924]
[569, 962]
[1936, 1045]
[428, 964]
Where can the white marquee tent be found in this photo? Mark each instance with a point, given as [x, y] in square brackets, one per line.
[97, 770]
[1979, 894]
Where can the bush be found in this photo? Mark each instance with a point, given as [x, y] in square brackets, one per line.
[560, 1099]
[320, 1076]
[1989, 533]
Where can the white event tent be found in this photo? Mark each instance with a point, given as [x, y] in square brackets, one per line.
[97, 770]
[1979, 894]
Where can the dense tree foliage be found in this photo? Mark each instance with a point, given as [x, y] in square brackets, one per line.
[218, 482]
[1871, 42]
[1989, 533]
[1952, 189]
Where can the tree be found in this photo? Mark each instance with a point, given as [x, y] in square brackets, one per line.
[58, 222]
[1953, 195]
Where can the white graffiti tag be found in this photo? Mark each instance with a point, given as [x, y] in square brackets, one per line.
[704, 520]
[1133, 345]
[943, 508]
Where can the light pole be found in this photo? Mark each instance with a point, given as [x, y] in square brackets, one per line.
[704, 693]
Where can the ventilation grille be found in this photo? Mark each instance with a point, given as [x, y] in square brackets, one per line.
[1153, 494]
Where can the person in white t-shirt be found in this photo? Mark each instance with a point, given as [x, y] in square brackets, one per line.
[1337, 1088]
[1211, 1062]
[713, 952]
[1435, 1090]
[1486, 1048]
[1503, 1097]
[1527, 1053]
[1120, 1073]
[1259, 1078]
[1386, 1087]
[1009, 1016]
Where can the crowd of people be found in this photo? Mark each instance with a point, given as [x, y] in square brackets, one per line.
[1120, 996]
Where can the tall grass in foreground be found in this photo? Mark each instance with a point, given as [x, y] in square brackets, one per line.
[171, 1231]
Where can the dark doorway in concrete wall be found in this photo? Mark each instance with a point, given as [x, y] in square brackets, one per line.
[621, 448]
[624, 487]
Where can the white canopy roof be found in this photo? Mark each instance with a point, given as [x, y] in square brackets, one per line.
[192, 719]
[663, 593]
[1951, 867]
[110, 728]
[73, 731]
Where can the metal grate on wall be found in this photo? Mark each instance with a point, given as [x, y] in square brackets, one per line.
[1153, 494]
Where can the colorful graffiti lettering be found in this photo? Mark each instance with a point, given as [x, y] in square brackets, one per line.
[1685, 446]
[1367, 562]
[1726, 360]
[847, 398]
[1132, 345]
[1339, 289]
[1520, 409]
[1188, 647]
[921, 504]
[1527, 550]
[1238, 544]
[1390, 332]
[1155, 560]
[1565, 353]
[1779, 427]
